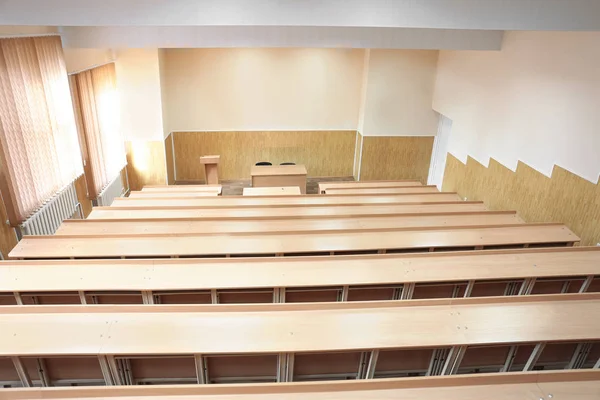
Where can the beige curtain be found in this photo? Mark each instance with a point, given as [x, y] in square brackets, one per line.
[99, 105]
[38, 139]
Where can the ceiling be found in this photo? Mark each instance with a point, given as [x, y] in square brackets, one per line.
[428, 24]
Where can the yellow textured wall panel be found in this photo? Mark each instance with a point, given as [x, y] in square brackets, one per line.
[396, 157]
[146, 163]
[565, 197]
[356, 170]
[324, 153]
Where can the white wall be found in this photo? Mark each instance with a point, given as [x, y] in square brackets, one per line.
[163, 91]
[138, 80]
[262, 89]
[537, 101]
[399, 92]
[78, 60]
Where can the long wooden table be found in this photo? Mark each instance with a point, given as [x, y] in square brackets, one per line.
[534, 385]
[145, 332]
[270, 201]
[289, 243]
[217, 225]
[323, 186]
[182, 188]
[296, 272]
[288, 212]
[387, 190]
[174, 194]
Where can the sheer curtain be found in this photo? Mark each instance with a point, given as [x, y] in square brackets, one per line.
[39, 149]
[99, 107]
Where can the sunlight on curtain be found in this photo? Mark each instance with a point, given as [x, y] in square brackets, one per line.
[99, 104]
[38, 138]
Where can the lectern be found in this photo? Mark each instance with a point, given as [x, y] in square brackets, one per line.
[211, 169]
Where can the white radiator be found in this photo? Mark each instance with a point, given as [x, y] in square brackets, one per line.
[47, 219]
[110, 192]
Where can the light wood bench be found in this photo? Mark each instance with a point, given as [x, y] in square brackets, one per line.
[344, 278]
[108, 331]
[270, 201]
[326, 223]
[173, 245]
[288, 212]
[578, 384]
[323, 186]
[174, 194]
[182, 188]
[383, 191]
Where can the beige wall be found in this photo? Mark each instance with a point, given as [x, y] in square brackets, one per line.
[536, 101]
[399, 92]
[262, 89]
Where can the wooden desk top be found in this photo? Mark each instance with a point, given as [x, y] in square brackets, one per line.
[366, 184]
[325, 223]
[277, 170]
[157, 333]
[182, 188]
[289, 272]
[269, 201]
[392, 190]
[272, 191]
[175, 194]
[288, 212]
[533, 385]
[283, 242]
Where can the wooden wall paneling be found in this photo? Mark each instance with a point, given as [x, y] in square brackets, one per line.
[324, 153]
[564, 197]
[396, 157]
[146, 164]
[83, 196]
[170, 160]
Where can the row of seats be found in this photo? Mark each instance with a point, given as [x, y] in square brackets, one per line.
[328, 292]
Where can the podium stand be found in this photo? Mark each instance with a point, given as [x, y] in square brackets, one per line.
[210, 169]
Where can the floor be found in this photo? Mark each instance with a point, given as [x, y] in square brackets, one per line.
[235, 187]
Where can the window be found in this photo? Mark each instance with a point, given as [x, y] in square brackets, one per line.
[39, 150]
[95, 92]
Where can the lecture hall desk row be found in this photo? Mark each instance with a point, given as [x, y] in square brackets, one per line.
[373, 191]
[270, 201]
[295, 279]
[324, 186]
[291, 211]
[182, 188]
[383, 330]
[580, 385]
[290, 243]
[258, 225]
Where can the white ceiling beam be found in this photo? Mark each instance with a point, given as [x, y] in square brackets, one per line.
[272, 36]
[433, 14]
